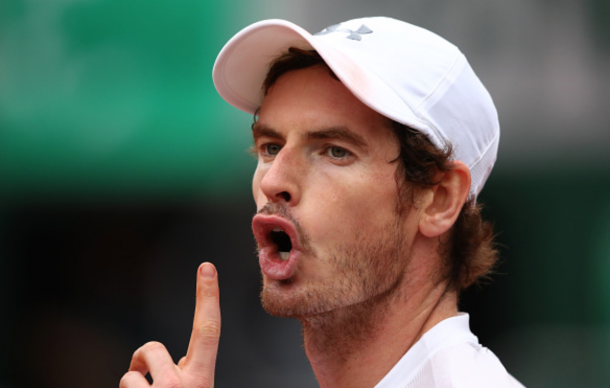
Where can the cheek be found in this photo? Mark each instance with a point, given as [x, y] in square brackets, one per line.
[351, 206]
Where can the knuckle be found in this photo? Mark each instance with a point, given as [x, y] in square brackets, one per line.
[146, 350]
[208, 292]
[127, 377]
[153, 347]
[209, 330]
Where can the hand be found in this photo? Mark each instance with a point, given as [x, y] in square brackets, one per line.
[196, 370]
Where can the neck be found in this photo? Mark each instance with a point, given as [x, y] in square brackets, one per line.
[356, 346]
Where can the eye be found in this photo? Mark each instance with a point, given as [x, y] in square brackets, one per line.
[338, 152]
[271, 149]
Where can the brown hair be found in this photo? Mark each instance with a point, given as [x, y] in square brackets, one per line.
[470, 252]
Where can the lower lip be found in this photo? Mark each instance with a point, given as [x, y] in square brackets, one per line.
[274, 267]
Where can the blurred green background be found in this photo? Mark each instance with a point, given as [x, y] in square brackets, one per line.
[121, 170]
[115, 98]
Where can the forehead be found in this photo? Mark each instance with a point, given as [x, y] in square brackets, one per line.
[311, 98]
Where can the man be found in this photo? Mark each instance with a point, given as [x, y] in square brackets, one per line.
[373, 138]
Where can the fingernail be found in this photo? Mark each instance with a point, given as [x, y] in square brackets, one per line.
[208, 270]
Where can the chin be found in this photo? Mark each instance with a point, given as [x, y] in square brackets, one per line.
[287, 299]
[284, 299]
[279, 298]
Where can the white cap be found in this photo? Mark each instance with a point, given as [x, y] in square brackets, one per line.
[402, 71]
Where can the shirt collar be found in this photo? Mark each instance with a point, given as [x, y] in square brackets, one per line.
[444, 334]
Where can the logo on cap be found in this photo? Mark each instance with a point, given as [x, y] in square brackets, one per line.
[353, 35]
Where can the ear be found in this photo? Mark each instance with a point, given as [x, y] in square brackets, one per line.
[443, 202]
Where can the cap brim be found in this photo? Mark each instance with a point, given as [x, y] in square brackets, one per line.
[243, 63]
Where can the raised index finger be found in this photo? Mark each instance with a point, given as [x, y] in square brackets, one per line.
[201, 354]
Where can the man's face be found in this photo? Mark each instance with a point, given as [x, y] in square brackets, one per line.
[328, 229]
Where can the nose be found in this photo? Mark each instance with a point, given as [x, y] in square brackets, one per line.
[282, 179]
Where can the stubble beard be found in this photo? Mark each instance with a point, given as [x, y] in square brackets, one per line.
[346, 307]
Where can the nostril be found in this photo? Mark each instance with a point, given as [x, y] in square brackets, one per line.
[285, 195]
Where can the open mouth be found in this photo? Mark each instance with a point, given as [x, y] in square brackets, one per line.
[279, 249]
[282, 241]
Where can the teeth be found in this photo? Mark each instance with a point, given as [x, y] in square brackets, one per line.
[284, 255]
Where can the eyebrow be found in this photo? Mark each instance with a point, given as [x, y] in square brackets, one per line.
[339, 133]
[261, 130]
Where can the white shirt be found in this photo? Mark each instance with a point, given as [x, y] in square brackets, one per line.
[449, 356]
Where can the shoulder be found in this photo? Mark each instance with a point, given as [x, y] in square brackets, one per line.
[464, 365]
[449, 356]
